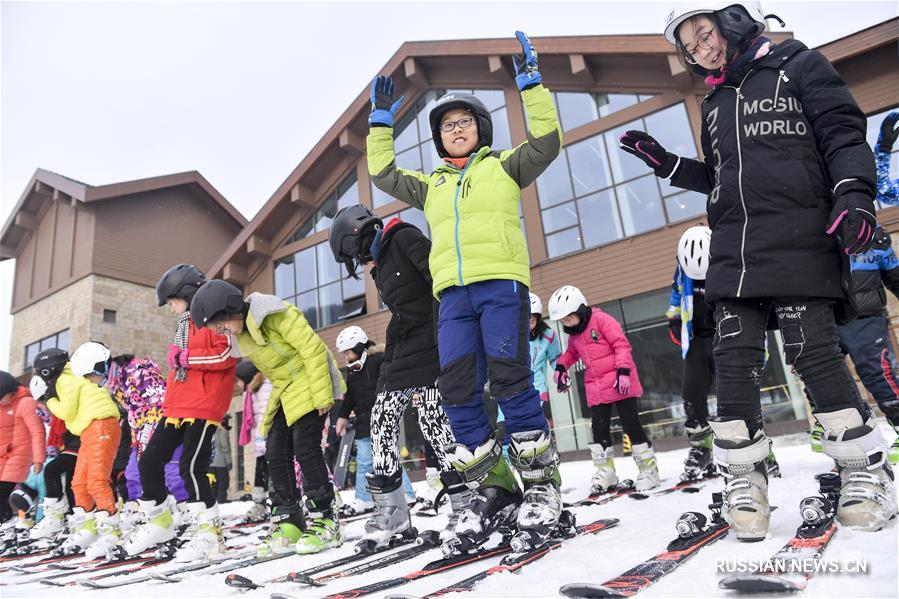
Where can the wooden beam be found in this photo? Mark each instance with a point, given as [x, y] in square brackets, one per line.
[581, 70]
[26, 221]
[497, 69]
[235, 273]
[41, 188]
[415, 72]
[351, 143]
[7, 251]
[62, 197]
[302, 195]
[258, 246]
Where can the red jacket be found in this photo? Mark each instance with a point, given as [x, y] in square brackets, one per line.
[207, 390]
[603, 348]
[21, 437]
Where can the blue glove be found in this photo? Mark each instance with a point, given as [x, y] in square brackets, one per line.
[526, 73]
[383, 108]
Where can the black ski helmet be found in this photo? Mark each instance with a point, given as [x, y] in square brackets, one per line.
[180, 281]
[49, 363]
[8, 383]
[215, 298]
[245, 371]
[352, 232]
[472, 104]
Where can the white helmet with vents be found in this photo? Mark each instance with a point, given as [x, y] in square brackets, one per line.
[536, 304]
[90, 358]
[564, 301]
[350, 337]
[693, 251]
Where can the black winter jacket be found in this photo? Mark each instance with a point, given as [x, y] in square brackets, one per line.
[778, 146]
[361, 392]
[403, 279]
[871, 271]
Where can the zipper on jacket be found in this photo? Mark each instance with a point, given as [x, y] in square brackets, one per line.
[456, 208]
[739, 96]
[780, 77]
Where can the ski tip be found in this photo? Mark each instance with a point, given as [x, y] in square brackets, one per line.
[240, 582]
[638, 496]
[587, 591]
[760, 583]
[281, 596]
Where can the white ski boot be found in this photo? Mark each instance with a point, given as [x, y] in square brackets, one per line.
[699, 463]
[129, 517]
[54, 521]
[867, 496]
[495, 498]
[391, 517]
[534, 456]
[108, 533]
[604, 478]
[428, 499]
[156, 527]
[459, 495]
[203, 538]
[259, 511]
[648, 476]
[741, 461]
[82, 532]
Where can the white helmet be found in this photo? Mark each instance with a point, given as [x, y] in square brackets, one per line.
[685, 10]
[693, 251]
[536, 304]
[88, 356]
[564, 301]
[350, 337]
[37, 386]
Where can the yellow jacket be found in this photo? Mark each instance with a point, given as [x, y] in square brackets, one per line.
[79, 402]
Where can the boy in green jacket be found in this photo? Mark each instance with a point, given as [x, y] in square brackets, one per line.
[276, 337]
[481, 274]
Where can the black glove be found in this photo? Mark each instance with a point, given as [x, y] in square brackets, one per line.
[646, 148]
[561, 378]
[674, 328]
[853, 222]
[888, 133]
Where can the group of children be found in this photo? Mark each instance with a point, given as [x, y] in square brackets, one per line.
[778, 253]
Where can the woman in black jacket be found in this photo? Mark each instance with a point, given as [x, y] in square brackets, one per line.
[398, 256]
[790, 184]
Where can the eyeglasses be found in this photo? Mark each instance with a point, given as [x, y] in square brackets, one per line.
[464, 123]
[704, 41]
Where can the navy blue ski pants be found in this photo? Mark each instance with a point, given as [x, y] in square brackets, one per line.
[867, 341]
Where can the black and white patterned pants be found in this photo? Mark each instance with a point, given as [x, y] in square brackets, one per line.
[386, 416]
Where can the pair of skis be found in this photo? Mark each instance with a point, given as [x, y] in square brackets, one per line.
[811, 539]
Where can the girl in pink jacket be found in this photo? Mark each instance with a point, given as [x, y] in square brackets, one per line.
[22, 441]
[610, 377]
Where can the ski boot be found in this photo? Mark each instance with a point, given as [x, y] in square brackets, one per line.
[259, 510]
[815, 436]
[324, 529]
[82, 532]
[391, 517]
[156, 527]
[129, 518]
[349, 510]
[648, 477]
[741, 460]
[699, 463]
[605, 477]
[54, 521]
[8, 536]
[534, 456]
[431, 495]
[494, 501]
[285, 528]
[203, 538]
[867, 496]
[109, 535]
[772, 466]
[459, 494]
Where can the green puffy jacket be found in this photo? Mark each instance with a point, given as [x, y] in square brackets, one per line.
[282, 345]
[473, 212]
[79, 402]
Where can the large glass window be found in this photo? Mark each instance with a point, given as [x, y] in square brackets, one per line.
[579, 108]
[59, 340]
[413, 142]
[316, 284]
[660, 367]
[594, 193]
[345, 194]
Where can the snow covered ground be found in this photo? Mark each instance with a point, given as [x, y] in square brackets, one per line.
[645, 529]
